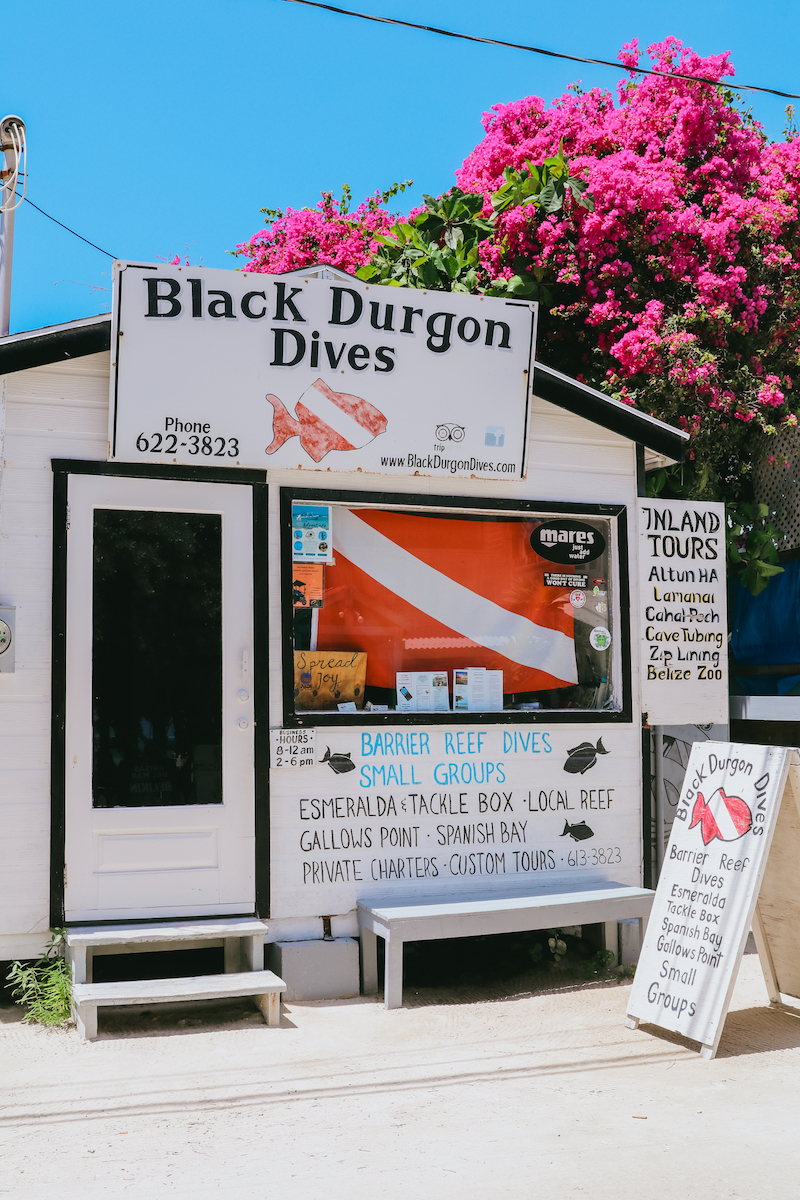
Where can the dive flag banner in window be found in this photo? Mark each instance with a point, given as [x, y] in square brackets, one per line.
[421, 593]
[226, 368]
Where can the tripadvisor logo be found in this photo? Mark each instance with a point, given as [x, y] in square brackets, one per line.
[567, 541]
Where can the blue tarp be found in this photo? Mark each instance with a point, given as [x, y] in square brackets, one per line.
[766, 629]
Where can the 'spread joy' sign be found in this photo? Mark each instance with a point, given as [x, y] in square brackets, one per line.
[438, 811]
[683, 612]
[230, 369]
[708, 889]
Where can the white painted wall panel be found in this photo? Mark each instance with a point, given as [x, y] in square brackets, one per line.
[60, 411]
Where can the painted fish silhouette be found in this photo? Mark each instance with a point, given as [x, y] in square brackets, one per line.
[581, 758]
[724, 817]
[340, 763]
[579, 832]
[325, 420]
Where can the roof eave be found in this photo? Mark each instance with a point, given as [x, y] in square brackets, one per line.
[585, 401]
[59, 343]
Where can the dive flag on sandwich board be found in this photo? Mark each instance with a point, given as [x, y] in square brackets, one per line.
[731, 864]
[423, 592]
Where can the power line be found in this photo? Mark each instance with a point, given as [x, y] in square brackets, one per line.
[72, 231]
[597, 62]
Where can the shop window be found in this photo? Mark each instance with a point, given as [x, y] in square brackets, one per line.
[448, 611]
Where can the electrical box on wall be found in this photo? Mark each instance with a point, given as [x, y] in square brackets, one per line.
[7, 639]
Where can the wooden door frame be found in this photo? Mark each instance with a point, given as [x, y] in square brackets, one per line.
[257, 480]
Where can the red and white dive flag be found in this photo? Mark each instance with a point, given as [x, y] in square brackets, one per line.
[725, 817]
[420, 593]
[325, 420]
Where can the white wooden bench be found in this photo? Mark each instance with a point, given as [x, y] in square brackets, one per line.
[263, 986]
[476, 914]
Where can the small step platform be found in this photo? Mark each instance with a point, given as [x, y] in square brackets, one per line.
[264, 986]
[242, 937]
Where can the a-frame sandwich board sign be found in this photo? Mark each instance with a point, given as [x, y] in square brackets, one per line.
[731, 863]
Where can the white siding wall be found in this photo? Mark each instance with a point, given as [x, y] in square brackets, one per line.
[60, 411]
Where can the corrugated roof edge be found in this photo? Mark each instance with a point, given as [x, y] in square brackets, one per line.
[92, 335]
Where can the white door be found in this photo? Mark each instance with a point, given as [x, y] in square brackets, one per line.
[159, 713]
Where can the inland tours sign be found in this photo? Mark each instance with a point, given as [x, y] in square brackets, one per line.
[439, 811]
[222, 368]
[683, 612]
[709, 887]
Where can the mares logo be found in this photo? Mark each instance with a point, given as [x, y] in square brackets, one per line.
[724, 817]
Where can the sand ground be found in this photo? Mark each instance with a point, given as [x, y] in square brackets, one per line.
[460, 1094]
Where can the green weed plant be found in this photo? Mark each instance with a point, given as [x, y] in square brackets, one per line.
[44, 987]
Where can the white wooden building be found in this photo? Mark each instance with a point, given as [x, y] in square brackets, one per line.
[74, 850]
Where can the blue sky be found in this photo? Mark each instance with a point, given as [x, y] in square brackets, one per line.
[158, 128]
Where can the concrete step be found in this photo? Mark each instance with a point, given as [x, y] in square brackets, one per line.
[264, 986]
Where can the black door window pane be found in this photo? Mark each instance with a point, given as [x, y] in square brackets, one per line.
[157, 659]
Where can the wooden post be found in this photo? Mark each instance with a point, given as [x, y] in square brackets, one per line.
[86, 1021]
[611, 929]
[369, 962]
[765, 958]
[77, 957]
[393, 978]
[233, 954]
[252, 953]
[269, 1003]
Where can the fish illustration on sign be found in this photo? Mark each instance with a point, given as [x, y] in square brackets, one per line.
[578, 832]
[325, 420]
[725, 817]
[340, 763]
[581, 758]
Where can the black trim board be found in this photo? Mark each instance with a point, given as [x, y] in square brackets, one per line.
[58, 705]
[62, 469]
[587, 402]
[411, 500]
[43, 349]
[261, 694]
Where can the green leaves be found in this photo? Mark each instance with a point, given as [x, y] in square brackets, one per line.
[44, 988]
[439, 249]
[752, 546]
[544, 186]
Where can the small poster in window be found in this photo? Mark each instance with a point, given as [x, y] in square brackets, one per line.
[460, 691]
[406, 692]
[440, 692]
[324, 679]
[312, 528]
[422, 691]
[307, 585]
[478, 690]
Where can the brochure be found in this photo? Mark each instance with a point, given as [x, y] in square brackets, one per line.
[422, 691]
[477, 690]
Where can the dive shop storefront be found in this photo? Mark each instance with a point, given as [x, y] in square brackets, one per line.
[320, 595]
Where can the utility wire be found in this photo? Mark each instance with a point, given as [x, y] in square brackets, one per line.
[72, 231]
[597, 62]
[470, 37]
